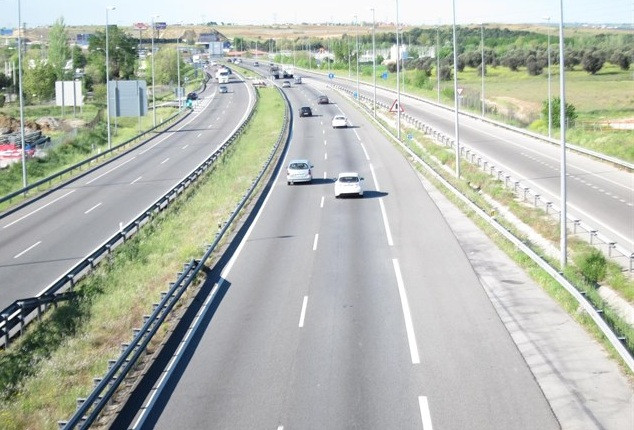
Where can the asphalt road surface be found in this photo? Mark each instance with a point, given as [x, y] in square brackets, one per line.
[43, 240]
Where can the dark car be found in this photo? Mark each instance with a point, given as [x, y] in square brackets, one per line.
[305, 111]
[192, 96]
[323, 100]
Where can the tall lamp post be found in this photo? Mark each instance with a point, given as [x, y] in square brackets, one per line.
[482, 65]
[373, 63]
[153, 83]
[21, 96]
[438, 60]
[562, 125]
[398, 82]
[357, 55]
[550, 118]
[178, 72]
[108, 8]
[455, 91]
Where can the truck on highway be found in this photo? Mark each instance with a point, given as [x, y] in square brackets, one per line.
[287, 71]
[222, 75]
[274, 71]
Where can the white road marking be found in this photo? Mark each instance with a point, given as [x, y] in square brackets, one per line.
[302, 315]
[185, 146]
[199, 134]
[315, 242]
[322, 123]
[409, 325]
[367, 157]
[358, 137]
[38, 209]
[321, 205]
[136, 180]
[325, 156]
[323, 131]
[424, 412]
[111, 170]
[388, 231]
[280, 428]
[325, 175]
[325, 143]
[165, 161]
[27, 249]
[92, 208]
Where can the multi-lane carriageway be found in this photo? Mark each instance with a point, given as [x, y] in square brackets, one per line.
[390, 311]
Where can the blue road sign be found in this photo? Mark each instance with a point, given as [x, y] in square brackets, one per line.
[356, 95]
[384, 75]
[410, 136]
[331, 75]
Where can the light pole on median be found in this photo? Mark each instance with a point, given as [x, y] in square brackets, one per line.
[438, 60]
[153, 82]
[455, 91]
[562, 124]
[357, 55]
[108, 8]
[21, 96]
[550, 118]
[398, 84]
[178, 72]
[373, 63]
[482, 65]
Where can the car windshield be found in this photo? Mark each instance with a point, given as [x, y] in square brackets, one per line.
[298, 166]
[349, 179]
[340, 117]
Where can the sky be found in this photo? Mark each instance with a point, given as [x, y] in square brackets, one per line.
[422, 12]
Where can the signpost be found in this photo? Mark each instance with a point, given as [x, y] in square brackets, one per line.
[384, 75]
[396, 107]
[331, 75]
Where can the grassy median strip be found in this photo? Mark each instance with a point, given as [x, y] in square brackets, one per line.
[43, 373]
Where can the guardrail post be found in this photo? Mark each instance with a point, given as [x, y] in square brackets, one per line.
[506, 181]
[593, 234]
[611, 246]
[515, 186]
[5, 318]
[631, 261]
[536, 200]
[548, 205]
[525, 192]
[576, 222]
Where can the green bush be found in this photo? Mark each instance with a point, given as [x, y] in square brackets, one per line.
[593, 265]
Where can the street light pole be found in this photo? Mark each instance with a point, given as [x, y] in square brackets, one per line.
[562, 124]
[482, 65]
[455, 91]
[178, 71]
[373, 64]
[398, 83]
[438, 60]
[550, 118]
[357, 55]
[21, 96]
[108, 78]
[153, 82]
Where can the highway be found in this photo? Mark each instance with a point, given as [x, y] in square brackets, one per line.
[598, 194]
[43, 240]
[348, 313]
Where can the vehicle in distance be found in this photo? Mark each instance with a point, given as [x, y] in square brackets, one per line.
[223, 89]
[339, 121]
[223, 75]
[305, 111]
[322, 100]
[256, 64]
[299, 171]
[192, 96]
[298, 79]
[286, 84]
[348, 184]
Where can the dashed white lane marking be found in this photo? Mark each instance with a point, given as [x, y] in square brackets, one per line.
[325, 142]
[199, 134]
[424, 412]
[280, 428]
[165, 161]
[315, 242]
[184, 147]
[409, 325]
[367, 157]
[38, 209]
[302, 314]
[321, 204]
[357, 134]
[27, 249]
[325, 175]
[323, 131]
[92, 208]
[325, 155]
[111, 170]
[386, 223]
[136, 180]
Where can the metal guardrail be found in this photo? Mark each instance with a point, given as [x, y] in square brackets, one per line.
[515, 184]
[89, 160]
[613, 160]
[596, 315]
[88, 409]
[16, 316]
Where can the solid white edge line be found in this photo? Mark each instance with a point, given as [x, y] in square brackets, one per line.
[27, 249]
[136, 180]
[93, 208]
[425, 415]
[315, 242]
[357, 134]
[386, 223]
[367, 156]
[165, 161]
[38, 209]
[376, 181]
[409, 325]
[302, 314]
[321, 205]
[111, 170]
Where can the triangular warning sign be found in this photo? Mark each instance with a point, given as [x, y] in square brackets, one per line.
[396, 106]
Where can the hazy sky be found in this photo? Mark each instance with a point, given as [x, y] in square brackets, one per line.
[75, 12]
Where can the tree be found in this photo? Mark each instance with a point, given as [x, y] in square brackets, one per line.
[592, 61]
[446, 73]
[571, 112]
[39, 82]
[79, 59]
[166, 69]
[58, 49]
[622, 59]
[122, 50]
[533, 66]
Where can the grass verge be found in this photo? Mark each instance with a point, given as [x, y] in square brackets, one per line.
[43, 373]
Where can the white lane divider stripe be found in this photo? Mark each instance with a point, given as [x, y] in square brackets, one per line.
[38, 209]
[199, 134]
[302, 315]
[136, 180]
[321, 205]
[325, 156]
[357, 134]
[111, 170]
[386, 223]
[424, 412]
[185, 146]
[367, 156]
[315, 242]
[409, 325]
[165, 161]
[27, 249]
[92, 208]
[325, 143]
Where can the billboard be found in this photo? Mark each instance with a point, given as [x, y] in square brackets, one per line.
[160, 25]
[68, 93]
[6, 31]
[128, 98]
[140, 26]
[82, 39]
[215, 49]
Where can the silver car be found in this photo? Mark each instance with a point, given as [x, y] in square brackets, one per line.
[299, 171]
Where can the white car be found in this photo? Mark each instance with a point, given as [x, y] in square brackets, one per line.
[339, 121]
[299, 171]
[349, 183]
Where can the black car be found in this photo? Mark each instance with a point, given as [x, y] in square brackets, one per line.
[192, 96]
[323, 100]
[305, 111]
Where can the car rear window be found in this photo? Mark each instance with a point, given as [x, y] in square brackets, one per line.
[299, 166]
[349, 179]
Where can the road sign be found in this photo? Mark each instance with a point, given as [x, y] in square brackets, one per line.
[355, 95]
[460, 90]
[395, 107]
[384, 75]
[331, 75]
[410, 136]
